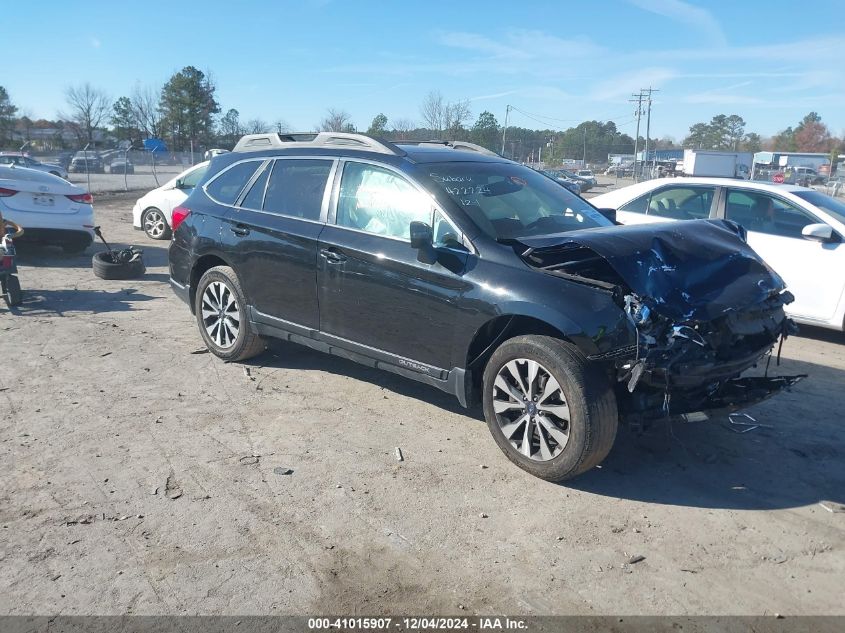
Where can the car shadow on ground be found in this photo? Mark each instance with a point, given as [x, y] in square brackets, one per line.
[797, 460]
[821, 334]
[37, 302]
[39, 256]
[282, 354]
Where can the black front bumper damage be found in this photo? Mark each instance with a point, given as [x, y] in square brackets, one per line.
[696, 366]
[727, 397]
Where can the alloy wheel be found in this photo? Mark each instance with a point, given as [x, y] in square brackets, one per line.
[531, 409]
[220, 314]
[154, 224]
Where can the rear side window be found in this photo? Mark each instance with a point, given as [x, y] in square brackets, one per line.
[227, 186]
[637, 205]
[296, 188]
[255, 197]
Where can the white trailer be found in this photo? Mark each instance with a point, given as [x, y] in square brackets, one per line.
[713, 164]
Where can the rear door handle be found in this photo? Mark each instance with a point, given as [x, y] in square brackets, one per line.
[332, 257]
[240, 230]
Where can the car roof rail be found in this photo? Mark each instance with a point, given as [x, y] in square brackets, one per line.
[459, 145]
[345, 140]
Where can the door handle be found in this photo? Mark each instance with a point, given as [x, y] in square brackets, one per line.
[240, 230]
[331, 256]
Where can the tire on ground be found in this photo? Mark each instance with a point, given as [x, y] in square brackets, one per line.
[588, 393]
[247, 343]
[12, 291]
[105, 268]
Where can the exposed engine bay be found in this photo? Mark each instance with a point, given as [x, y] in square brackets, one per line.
[703, 312]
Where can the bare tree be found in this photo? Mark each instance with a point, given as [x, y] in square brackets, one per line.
[455, 115]
[145, 108]
[432, 111]
[257, 126]
[337, 121]
[402, 128]
[89, 107]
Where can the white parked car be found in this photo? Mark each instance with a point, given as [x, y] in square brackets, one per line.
[22, 160]
[152, 212]
[798, 231]
[50, 209]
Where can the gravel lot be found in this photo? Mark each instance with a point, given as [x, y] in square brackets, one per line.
[138, 474]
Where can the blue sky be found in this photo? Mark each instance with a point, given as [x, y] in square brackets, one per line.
[770, 62]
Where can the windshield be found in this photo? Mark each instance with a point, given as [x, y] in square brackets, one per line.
[834, 207]
[510, 201]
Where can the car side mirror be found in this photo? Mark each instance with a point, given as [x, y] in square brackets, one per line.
[610, 214]
[179, 184]
[422, 235]
[818, 232]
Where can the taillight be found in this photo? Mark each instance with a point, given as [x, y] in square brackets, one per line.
[84, 198]
[5, 193]
[179, 215]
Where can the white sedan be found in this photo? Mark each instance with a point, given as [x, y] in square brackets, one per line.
[152, 212]
[22, 160]
[50, 210]
[798, 231]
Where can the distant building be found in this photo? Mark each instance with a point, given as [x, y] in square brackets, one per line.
[792, 159]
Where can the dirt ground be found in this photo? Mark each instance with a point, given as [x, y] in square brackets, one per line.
[141, 475]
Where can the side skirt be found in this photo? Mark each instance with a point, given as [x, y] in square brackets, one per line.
[454, 381]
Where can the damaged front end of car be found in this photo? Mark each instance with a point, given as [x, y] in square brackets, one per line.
[702, 306]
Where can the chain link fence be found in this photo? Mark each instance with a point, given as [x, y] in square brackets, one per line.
[107, 170]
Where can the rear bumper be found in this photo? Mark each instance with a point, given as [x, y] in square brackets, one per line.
[181, 291]
[55, 236]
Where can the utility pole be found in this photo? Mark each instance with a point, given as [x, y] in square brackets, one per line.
[648, 123]
[639, 98]
[505, 129]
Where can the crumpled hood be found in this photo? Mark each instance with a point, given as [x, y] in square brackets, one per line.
[690, 270]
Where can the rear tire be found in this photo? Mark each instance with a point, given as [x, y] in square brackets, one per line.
[220, 309]
[12, 291]
[563, 401]
[154, 224]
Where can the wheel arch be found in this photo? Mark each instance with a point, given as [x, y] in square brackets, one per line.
[201, 265]
[501, 328]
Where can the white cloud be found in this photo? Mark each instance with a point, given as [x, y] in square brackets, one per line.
[625, 84]
[695, 17]
[479, 44]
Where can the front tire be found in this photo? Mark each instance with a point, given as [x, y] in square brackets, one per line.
[220, 309]
[550, 410]
[154, 224]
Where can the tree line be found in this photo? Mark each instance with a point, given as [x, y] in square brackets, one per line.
[186, 113]
[727, 132]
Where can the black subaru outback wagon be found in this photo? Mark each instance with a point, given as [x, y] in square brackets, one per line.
[448, 264]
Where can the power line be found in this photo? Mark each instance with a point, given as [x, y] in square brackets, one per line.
[538, 118]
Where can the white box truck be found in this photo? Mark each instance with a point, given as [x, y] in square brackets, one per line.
[713, 164]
